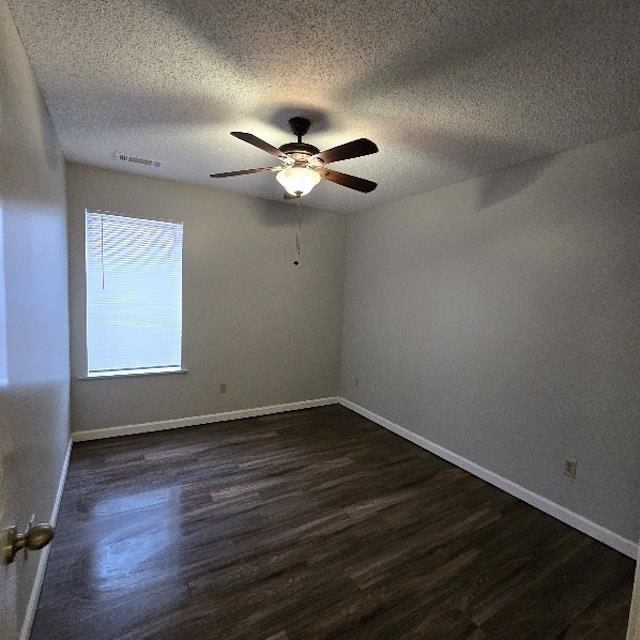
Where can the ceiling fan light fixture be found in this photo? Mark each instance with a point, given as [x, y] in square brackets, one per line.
[298, 181]
[302, 165]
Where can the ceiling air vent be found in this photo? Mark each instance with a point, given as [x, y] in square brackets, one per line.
[128, 157]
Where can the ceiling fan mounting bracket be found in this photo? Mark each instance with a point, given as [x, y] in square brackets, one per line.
[299, 126]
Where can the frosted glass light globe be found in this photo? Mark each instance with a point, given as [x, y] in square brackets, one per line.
[298, 181]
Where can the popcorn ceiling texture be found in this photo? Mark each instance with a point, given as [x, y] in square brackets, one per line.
[447, 89]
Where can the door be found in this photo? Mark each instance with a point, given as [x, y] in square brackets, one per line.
[13, 542]
[8, 589]
[34, 391]
[34, 319]
[634, 614]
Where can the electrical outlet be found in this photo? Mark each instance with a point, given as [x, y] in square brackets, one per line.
[373, 388]
[223, 387]
[356, 382]
[570, 468]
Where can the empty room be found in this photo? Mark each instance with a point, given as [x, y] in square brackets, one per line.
[319, 321]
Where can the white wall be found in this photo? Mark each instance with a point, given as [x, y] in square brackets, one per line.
[499, 318]
[270, 330]
[34, 365]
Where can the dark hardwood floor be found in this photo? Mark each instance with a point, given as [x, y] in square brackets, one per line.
[310, 525]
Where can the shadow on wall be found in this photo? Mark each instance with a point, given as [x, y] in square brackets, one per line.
[28, 164]
[495, 189]
[283, 214]
[476, 155]
[470, 154]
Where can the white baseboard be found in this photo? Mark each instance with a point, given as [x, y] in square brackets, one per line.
[177, 423]
[32, 606]
[590, 528]
[608, 537]
[614, 540]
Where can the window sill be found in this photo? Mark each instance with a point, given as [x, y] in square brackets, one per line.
[127, 373]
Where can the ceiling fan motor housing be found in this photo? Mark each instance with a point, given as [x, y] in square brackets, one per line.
[299, 150]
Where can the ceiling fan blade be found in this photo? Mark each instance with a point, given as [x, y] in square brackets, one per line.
[359, 184]
[243, 172]
[261, 144]
[353, 149]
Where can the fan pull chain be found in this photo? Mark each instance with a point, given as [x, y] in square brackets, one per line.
[296, 262]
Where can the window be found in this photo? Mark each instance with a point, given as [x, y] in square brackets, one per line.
[134, 295]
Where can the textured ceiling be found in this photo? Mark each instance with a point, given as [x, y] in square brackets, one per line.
[447, 89]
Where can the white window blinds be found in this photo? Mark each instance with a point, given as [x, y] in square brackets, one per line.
[134, 294]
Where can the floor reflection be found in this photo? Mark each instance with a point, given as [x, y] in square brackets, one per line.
[135, 502]
[145, 529]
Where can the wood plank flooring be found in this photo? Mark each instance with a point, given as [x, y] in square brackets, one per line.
[312, 525]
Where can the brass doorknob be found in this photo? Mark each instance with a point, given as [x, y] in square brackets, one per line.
[36, 537]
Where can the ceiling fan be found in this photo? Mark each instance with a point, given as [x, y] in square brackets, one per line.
[303, 165]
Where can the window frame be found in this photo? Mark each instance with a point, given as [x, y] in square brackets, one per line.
[141, 371]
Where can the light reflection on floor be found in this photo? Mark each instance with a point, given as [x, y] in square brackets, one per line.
[135, 502]
[146, 528]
